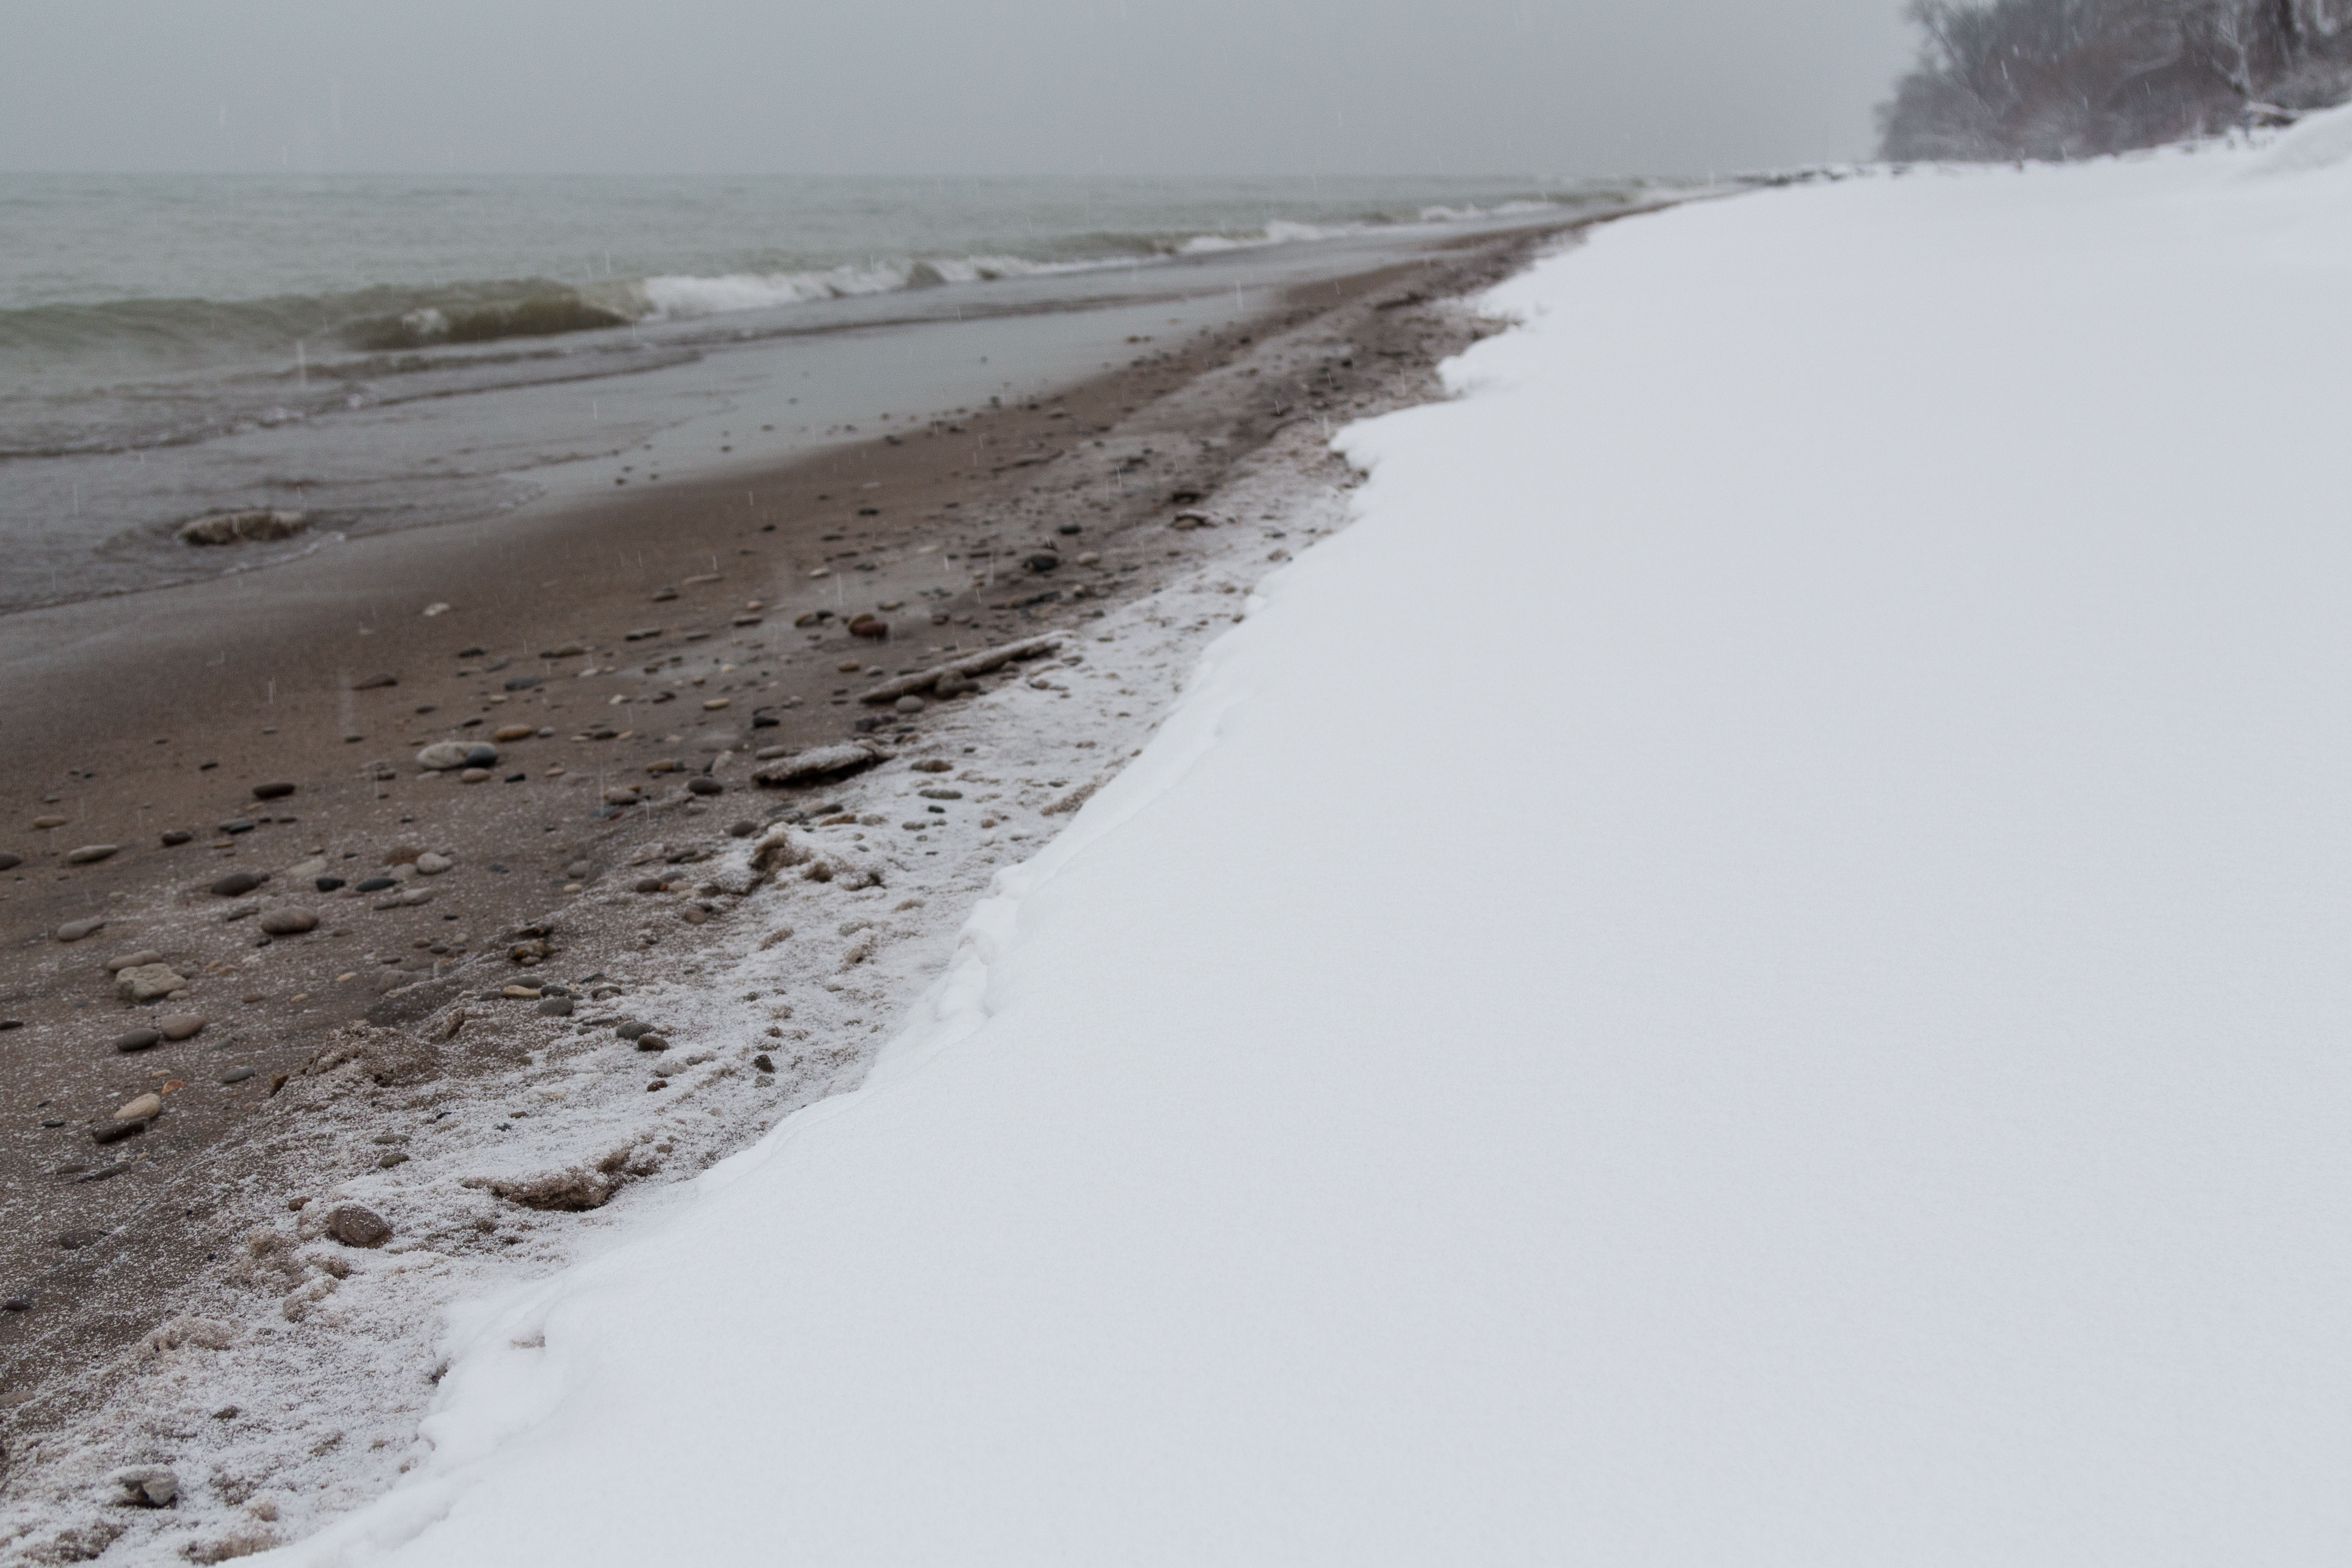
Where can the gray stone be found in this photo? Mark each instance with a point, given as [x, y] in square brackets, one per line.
[909, 703]
[75, 930]
[148, 982]
[138, 1039]
[555, 1006]
[256, 524]
[277, 790]
[430, 864]
[237, 1075]
[443, 755]
[236, 884]
[91, 855]
[180, 1026]
[650, 1042]
[633, 1027]
[354, 1225]
[289, 922]
[10, 862]
[132, 960]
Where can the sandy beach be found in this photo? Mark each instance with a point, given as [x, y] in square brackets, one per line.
[634, 658]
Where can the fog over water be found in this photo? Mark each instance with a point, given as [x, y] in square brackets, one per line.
[1028, 87]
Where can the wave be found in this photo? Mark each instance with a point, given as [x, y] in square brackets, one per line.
[128, 336]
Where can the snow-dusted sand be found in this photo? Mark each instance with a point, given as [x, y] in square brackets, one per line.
[1821, 1042]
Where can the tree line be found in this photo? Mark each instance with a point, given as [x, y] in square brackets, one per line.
[2074, 79]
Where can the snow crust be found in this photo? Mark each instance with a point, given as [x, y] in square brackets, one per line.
[1748, 969]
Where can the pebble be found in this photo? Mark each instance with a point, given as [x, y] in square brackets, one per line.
[75, 1240]
[75, 930]
[278, 789]
[237, 1075]
[312, 867]
[443, 755]
[115, 1132]
[712, 705]
[522, 683]
[180, 1026]
[622, 797]
[407, 900]
[354, 1225]
[91, 855]
[46, 822]
[742, 829]
[520, 993]
[763, 1063]
[651, 1042]
[327, 883]
[507, 731]
[632, 1027]
[374, 883]
[474, 775]
[9, 862]
[933, 765]
[137, 1040]
[647, 884]
[132, 960]
[289, 922]
[235, 884]
[938, 794]
[148, 982]
[176, 837]
[703, 784]
[909, 703]
[565, 651]
[145, 1108]
[555, 1006]
[1044, 560]
[236, 825]
[431, 864]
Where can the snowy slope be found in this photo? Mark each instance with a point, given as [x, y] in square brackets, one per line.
[1750, 970]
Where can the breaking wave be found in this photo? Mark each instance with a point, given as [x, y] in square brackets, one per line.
[122, 336]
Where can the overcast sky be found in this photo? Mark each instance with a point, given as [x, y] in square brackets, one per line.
[1211, 87]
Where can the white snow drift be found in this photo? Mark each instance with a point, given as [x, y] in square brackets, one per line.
[1750, 970]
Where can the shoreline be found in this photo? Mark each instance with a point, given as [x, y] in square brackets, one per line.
[541, 853]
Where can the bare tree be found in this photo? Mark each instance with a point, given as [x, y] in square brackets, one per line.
[2070, 78]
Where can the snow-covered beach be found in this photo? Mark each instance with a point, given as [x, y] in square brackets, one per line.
[1817, 1040]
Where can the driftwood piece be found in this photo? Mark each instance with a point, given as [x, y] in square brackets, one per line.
[970, 664]
[821, 762]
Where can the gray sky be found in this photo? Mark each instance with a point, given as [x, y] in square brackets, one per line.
[1214, 87]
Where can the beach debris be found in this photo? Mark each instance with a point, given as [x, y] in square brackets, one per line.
[259, 525]
[825, 762]
[785, 849]
[970, 664]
